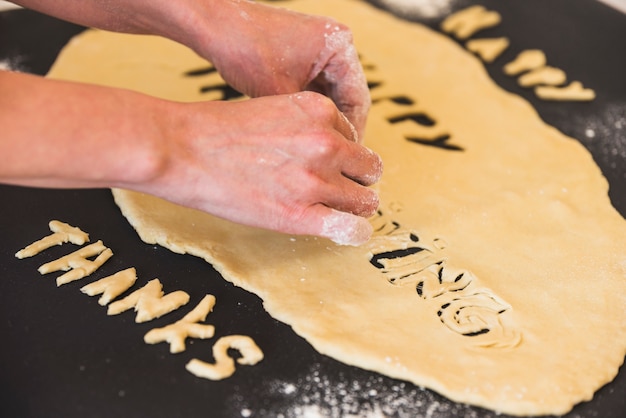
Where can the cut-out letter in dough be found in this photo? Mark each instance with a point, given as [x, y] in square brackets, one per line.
[520, 216]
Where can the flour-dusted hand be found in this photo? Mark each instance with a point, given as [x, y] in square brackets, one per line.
[289, 159]
[258, 48]
[286, 166]
[262, 50]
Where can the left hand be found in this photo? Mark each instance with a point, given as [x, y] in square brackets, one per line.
[262, 50]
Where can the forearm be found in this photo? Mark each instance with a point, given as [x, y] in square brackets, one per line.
[297, 174]
[62, 134]
[174, 19]
[212, 28]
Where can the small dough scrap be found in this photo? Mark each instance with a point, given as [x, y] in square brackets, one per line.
[488, 49]
[63, 233]
[224, 365]
[527, 60]
[176, 333]
[572, 92]
[543, 76]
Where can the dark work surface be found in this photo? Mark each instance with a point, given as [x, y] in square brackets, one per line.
[62, 356]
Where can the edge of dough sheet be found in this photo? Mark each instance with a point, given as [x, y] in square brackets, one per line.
[536, 384]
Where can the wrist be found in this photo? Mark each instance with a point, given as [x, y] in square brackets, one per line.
[149, 145]
[213, 27]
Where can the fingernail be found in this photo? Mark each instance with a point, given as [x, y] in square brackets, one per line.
[346, 229]
[377, 168]
[353, 131]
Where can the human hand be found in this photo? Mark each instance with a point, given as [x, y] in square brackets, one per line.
[258, 49]
[286, 163]
[262, 50]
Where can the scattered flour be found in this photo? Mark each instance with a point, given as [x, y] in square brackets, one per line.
[318, 394]
[605, 135]
[5, 5]
[11, 64]
[323, 392]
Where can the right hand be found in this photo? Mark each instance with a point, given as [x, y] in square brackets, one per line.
[288, 163]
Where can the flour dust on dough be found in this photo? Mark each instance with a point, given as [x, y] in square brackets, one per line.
[498, 263]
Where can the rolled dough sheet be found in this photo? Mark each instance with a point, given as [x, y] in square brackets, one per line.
[509, 267]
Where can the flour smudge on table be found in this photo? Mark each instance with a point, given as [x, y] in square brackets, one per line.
[419, 9]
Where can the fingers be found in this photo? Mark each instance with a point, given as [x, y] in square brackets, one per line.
[352, 98]
[357, 162]
[342, 78]
[345, 167]
[355, 199]
[363, 166]
[346, 128]
[344, 201]
[340, 227]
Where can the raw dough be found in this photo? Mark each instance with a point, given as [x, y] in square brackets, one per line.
[573, 91]
[77, 264]
[545, 75]
[467, 22]
[517, 258]
[224, 365]
[112, 286]
[527, 60]
[61, 234]
[176, 333]
[149, 302]
[488, 49]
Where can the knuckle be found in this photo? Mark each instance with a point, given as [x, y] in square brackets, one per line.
[316, 106]
[315, 100]
[325, 146]
[334, 25]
